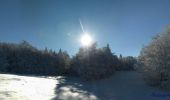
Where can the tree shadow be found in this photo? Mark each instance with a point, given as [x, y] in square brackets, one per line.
[122, 86]
[71, 88]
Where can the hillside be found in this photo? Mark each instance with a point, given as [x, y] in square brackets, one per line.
[122, 86]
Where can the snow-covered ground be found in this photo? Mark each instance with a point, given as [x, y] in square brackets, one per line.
[122, 86]
[14, 87]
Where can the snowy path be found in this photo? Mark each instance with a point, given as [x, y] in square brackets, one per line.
[122, 86]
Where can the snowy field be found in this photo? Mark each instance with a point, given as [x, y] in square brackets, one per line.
[14, 87]
[122, 86]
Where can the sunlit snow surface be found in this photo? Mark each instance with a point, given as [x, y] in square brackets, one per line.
[13, 87]
[125, 85]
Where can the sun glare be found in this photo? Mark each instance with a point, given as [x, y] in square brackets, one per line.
[86, 40]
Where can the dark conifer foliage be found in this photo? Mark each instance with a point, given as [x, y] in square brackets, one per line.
[23, 58]
[93, 63]
[126, 63]
[90, 63]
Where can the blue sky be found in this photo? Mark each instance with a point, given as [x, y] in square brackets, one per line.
[126, 25]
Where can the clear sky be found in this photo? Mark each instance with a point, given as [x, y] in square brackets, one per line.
[126, 25]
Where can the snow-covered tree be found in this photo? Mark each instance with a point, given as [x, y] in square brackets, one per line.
[156, 60]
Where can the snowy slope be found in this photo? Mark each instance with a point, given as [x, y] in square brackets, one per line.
[122, 86]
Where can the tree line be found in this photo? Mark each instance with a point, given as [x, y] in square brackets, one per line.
[23, 58]
[89, 63]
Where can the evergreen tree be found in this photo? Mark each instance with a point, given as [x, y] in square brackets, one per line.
[92, 63]
[3, 61]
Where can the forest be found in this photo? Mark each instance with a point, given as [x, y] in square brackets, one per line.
[90, 63]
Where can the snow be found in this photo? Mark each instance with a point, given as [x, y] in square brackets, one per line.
[125, 85]
[14, 87]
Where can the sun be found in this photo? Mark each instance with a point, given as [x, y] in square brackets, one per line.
[86, 40]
